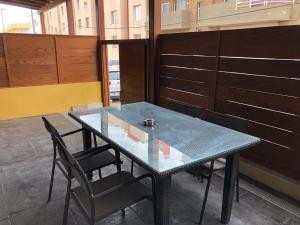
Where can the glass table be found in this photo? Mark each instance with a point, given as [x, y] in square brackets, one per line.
[175, 143]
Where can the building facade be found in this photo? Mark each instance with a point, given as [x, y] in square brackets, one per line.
[19, 28]
[56, 20]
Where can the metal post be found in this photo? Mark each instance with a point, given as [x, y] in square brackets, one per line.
[2, 19]
[32, 21]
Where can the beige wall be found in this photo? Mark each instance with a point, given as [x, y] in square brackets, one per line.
[86, 10]
[56, 20]
[138, 28]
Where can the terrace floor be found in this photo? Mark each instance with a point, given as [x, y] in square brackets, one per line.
[25, 163]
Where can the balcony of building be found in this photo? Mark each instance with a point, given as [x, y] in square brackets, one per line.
[176, 20]
[243, 12]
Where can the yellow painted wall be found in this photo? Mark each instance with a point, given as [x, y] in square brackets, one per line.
[39, 100]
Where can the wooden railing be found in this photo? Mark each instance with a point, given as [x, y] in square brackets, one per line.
[253, 74]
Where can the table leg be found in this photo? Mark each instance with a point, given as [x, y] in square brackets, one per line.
[229, 186]
[87, 144]
[163, 192]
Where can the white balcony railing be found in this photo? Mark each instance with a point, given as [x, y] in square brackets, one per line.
[256, 3]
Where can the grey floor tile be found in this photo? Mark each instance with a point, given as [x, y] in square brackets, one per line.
[4, 222]
[25, 184]
[46, 214]
[130, 218]
[3, 204]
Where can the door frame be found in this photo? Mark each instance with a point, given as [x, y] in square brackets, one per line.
[103, 70]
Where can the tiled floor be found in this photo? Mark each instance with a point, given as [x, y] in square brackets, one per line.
[25, 163]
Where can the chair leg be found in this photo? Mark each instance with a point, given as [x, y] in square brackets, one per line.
[95, 140]
[237, 188]
[100, 173]
[52, 173]
[118, 158]
[123, 212]
[67, 202]
[154, 201]
[132, 164]
[206, 191]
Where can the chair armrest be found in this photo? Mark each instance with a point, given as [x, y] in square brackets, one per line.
[71, 132]
[106, 192]
[91, 152]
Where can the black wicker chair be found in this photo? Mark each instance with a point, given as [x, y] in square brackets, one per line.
[90, 160]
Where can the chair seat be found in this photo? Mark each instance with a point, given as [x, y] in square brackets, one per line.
[96, 161]
[203, 169]
[116, 200]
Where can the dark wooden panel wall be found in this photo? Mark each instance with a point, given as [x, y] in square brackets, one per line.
[3, 69]
[259, 80]
[188, 70]
[133, 71]
[29, 60]
[257, 73]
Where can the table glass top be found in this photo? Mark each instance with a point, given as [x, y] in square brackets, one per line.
[175, 142]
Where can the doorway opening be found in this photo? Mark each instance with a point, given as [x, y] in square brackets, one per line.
[125, 80]
[114, 79]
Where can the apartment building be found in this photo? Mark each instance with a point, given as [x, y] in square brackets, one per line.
[85, 17]
[129, 18]
[56, 21]
[126, 19]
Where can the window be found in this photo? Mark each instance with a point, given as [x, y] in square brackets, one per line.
[85, 4]
[180, 5]
[62, 10]
[137, 13]
[87, 22]
[56, 30]
[114, 17]
[165, 7]
[78, 4]
[52, 31]
[50, 15]
[114, 37]
[79, 23]
[137, 36]
[198, 10]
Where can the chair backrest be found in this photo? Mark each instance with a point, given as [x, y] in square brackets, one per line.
[54, 133]
[75, 171]
[224, 120]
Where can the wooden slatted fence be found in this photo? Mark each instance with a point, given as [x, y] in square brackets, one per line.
[252, 74]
